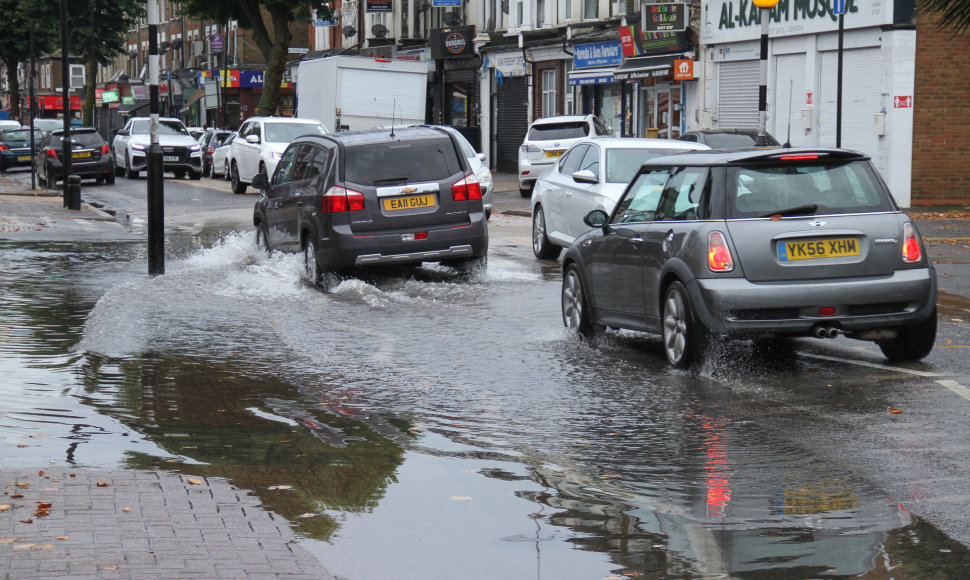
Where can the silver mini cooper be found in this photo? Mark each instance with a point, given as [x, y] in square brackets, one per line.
[754, 243]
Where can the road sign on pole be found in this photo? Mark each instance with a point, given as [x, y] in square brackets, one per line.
[838, 6]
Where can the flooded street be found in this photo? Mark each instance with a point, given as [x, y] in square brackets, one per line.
[413, 424]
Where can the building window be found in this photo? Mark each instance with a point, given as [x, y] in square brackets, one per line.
[568, 105]
[569, 10]
[590, 9]
[540, 13]
[548, 92]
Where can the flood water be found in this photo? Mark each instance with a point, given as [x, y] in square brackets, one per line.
[416, 425]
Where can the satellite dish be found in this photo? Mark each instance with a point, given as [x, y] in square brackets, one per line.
[378, 30]
[349, 31]
[452, 18]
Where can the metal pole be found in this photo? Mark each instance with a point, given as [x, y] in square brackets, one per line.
[33, 110]
[763, 87]
[65, 91]
[838, 90]
[156, 195]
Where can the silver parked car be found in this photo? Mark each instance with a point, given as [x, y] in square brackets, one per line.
[754, 243]
[592, 174]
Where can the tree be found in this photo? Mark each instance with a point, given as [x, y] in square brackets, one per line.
[269, 21]
[99, 32]
[16, 17]
[954, 14]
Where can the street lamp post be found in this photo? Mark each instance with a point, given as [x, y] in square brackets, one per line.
[766, 6]
[156, 195]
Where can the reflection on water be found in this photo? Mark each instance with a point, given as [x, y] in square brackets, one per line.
[417, 425]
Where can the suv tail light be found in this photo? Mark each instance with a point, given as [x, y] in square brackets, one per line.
[340, 199]
[912, 252]
[52, 153]
[529, 148]
[105, 149]
[467, 189]
[718, 255]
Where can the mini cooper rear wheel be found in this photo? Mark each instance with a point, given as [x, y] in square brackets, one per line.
[683, 336]
[541, 246]
[911, 342]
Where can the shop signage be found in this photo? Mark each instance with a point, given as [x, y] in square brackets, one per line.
[663, 17]
[635, 42]
[454, 42]
[245, 79]
[379, 6]
[597, 54]
[216, 42]
[735, 20]
[109, 97]
[683, 70]
[127, 100]
[446, 3]
[54, 103]
[904, 102]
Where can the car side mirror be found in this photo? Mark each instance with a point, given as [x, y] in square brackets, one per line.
[596, 219]
[260, 180]
[585, 176]
[481, 156]
[252, 139]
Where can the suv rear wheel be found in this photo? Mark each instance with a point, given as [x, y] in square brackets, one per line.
[237, 185]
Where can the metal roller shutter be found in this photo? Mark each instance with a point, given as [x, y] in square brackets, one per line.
[789, 99]
[861, 99]
[737, 94]
[512, 122]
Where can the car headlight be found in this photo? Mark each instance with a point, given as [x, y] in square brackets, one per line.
[139, 146]
[484, 175]
[195, 148]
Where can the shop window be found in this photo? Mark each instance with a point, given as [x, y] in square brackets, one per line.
[548, 92]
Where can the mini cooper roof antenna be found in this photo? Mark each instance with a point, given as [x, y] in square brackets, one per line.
[787, 144]
[393, 106]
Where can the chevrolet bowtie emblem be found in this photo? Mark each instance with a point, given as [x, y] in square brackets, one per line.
[409, 190]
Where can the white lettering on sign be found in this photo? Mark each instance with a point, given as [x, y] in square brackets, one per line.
[904, 102]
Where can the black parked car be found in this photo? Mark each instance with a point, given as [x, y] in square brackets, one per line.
[211, 140]
[368, 198]
[90, 156]
[728, 138]
[15, 147]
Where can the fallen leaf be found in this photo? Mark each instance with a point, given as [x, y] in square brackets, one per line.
[276, 487]
[610, 476]
[193, 481]
[126, 510]
[23, 485]
[26, 521]
[8, 540]
[43, 509]
[16, 495]
[40, 473]
[4, 507]
[110, 568]
[949, 341]
[460, 498]
[894, 410]
[307, 515]
[191, 447]
[62, 538]
[21, 445]
[102, 484]
[49, 489]
[73, 475]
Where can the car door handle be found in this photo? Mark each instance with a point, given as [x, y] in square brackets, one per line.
[668, 239]
[636, 241]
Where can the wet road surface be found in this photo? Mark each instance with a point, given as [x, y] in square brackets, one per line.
[417, 425]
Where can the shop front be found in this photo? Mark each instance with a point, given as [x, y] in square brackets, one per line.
[654, 65]
[455, 91]
[505, 85]
[600, 93]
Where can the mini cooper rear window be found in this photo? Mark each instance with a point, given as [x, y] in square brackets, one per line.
[790, 188]
[394, 162]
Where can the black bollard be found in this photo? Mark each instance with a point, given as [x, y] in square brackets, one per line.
[74, 192]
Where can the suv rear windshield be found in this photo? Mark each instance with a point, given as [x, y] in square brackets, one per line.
[550, 131]
[805, 189]
[85, 139]
[395, 162]
[286, 132]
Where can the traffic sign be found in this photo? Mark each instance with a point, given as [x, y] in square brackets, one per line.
[838, 6]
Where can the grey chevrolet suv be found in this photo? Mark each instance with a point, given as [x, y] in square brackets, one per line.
[370, 198]
[754, 243]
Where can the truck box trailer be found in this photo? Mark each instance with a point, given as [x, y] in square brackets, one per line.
[351, 93]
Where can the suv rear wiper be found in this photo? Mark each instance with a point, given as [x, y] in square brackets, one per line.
[391, 180]
[797, 210]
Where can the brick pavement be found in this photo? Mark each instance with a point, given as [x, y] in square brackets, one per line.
[109, 524]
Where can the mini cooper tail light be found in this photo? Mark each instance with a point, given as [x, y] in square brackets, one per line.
[340, 199]
[912, 252]
[718, 255]
[467, 189]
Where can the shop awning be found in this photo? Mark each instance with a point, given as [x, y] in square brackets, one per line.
[198, 94]
[591, 76]
[131, 109]
[642, 67]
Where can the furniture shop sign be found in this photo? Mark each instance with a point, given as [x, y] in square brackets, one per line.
[737, 20]
[597, 54]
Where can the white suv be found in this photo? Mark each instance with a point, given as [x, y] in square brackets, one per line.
[181, 153]
[260, 143]
[546, 141]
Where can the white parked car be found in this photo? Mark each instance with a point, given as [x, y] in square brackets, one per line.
[7, 124]
[547, 139]
[260, 144]
[181, 153]
[591, 175]
[220, 158]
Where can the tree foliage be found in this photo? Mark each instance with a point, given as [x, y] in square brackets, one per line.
[954, 14]
[268, 21]
[16, 17]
